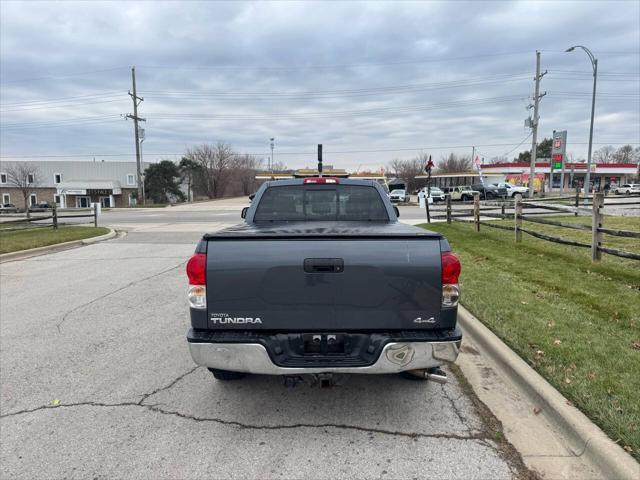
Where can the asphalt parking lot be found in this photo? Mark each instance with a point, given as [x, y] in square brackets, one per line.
[97, 381]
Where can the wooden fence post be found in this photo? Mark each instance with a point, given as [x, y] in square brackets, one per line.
[95, 215]
[596, 223]
[502, 212]
[448, 208]
[575, 214]
[54, 213]
[518, 219]
[476, 212]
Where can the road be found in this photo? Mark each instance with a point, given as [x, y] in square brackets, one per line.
[97, 382]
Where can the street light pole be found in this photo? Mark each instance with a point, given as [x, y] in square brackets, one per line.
[271, 162]
[594, 65]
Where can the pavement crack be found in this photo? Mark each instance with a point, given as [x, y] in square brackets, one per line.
[339, 426]
[119, 289]
[69, 405]
[455, 408]
[249, 426]
[167, 387]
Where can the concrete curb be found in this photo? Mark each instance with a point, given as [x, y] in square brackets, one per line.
[593, 443]
[19, 255]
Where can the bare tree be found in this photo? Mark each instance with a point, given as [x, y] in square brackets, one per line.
[407, 170]
[279, 167]
[454, 164]
[498, 159]
[245, 169]
[624, 154]
[604, 154]
[217, 162]
[24, 177]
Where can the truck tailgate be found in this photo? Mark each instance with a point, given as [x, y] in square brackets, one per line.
[324, 284]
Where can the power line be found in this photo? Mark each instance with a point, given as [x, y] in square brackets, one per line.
[380, 150]
[518, 145]
[64, 99]
[33, 79]
[49, 107]
[321, 67]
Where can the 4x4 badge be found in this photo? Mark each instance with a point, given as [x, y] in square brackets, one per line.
[425, 320]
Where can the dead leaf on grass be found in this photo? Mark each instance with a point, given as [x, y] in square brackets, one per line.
[524, 303]
[636, 344]
[557, 342]
[567, 380]
[539, 354]
[628, 448]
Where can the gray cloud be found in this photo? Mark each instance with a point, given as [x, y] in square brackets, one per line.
[354, 76]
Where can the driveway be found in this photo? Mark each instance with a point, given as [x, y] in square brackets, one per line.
[96, 381]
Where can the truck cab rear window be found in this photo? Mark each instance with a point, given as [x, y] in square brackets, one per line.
[294, 203]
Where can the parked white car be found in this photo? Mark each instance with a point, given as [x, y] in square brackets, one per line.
[399, 195]
[513, 190]
[437, 195]
[627, 189]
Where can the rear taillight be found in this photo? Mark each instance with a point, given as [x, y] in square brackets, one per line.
[450, 273]
[197, 273]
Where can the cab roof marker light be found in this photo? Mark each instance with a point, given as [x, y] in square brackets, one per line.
[321, 180]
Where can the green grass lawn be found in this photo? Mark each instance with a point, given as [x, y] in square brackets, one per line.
[40, 237]
[575, 322]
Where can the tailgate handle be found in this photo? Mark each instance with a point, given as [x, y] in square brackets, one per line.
[323, 265]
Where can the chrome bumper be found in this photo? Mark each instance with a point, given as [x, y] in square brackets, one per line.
[253, 358]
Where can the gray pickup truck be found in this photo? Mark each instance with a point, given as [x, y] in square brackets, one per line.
[321, 279]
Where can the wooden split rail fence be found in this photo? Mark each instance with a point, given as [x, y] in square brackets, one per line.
[53, 218]
[580, 206]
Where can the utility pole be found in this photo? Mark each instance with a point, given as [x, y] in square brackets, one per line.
[136, 101]
[534, 124]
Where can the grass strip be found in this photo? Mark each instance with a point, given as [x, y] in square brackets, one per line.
[575, 322]
[13, 241]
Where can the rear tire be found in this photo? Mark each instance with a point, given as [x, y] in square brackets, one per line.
[226, 375]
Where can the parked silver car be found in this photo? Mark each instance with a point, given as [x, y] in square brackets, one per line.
[627, 189]
[399, 195]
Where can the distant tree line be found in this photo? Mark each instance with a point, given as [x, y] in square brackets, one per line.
[211, 171]
[206, 171]
[624, 154]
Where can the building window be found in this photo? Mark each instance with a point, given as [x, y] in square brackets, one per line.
[3, 178]
[131, 179]
[30, 178]
[57, 178]
[33, 199]
[57, 199]
[6, 198]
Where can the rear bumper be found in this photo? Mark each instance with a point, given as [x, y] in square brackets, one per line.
[254, 358]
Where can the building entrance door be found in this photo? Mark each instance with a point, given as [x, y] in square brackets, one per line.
[83, 202]
[105, 202]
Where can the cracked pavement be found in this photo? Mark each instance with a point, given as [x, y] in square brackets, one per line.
[96, 381]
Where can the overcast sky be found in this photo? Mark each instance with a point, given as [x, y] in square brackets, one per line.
[371, 81]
